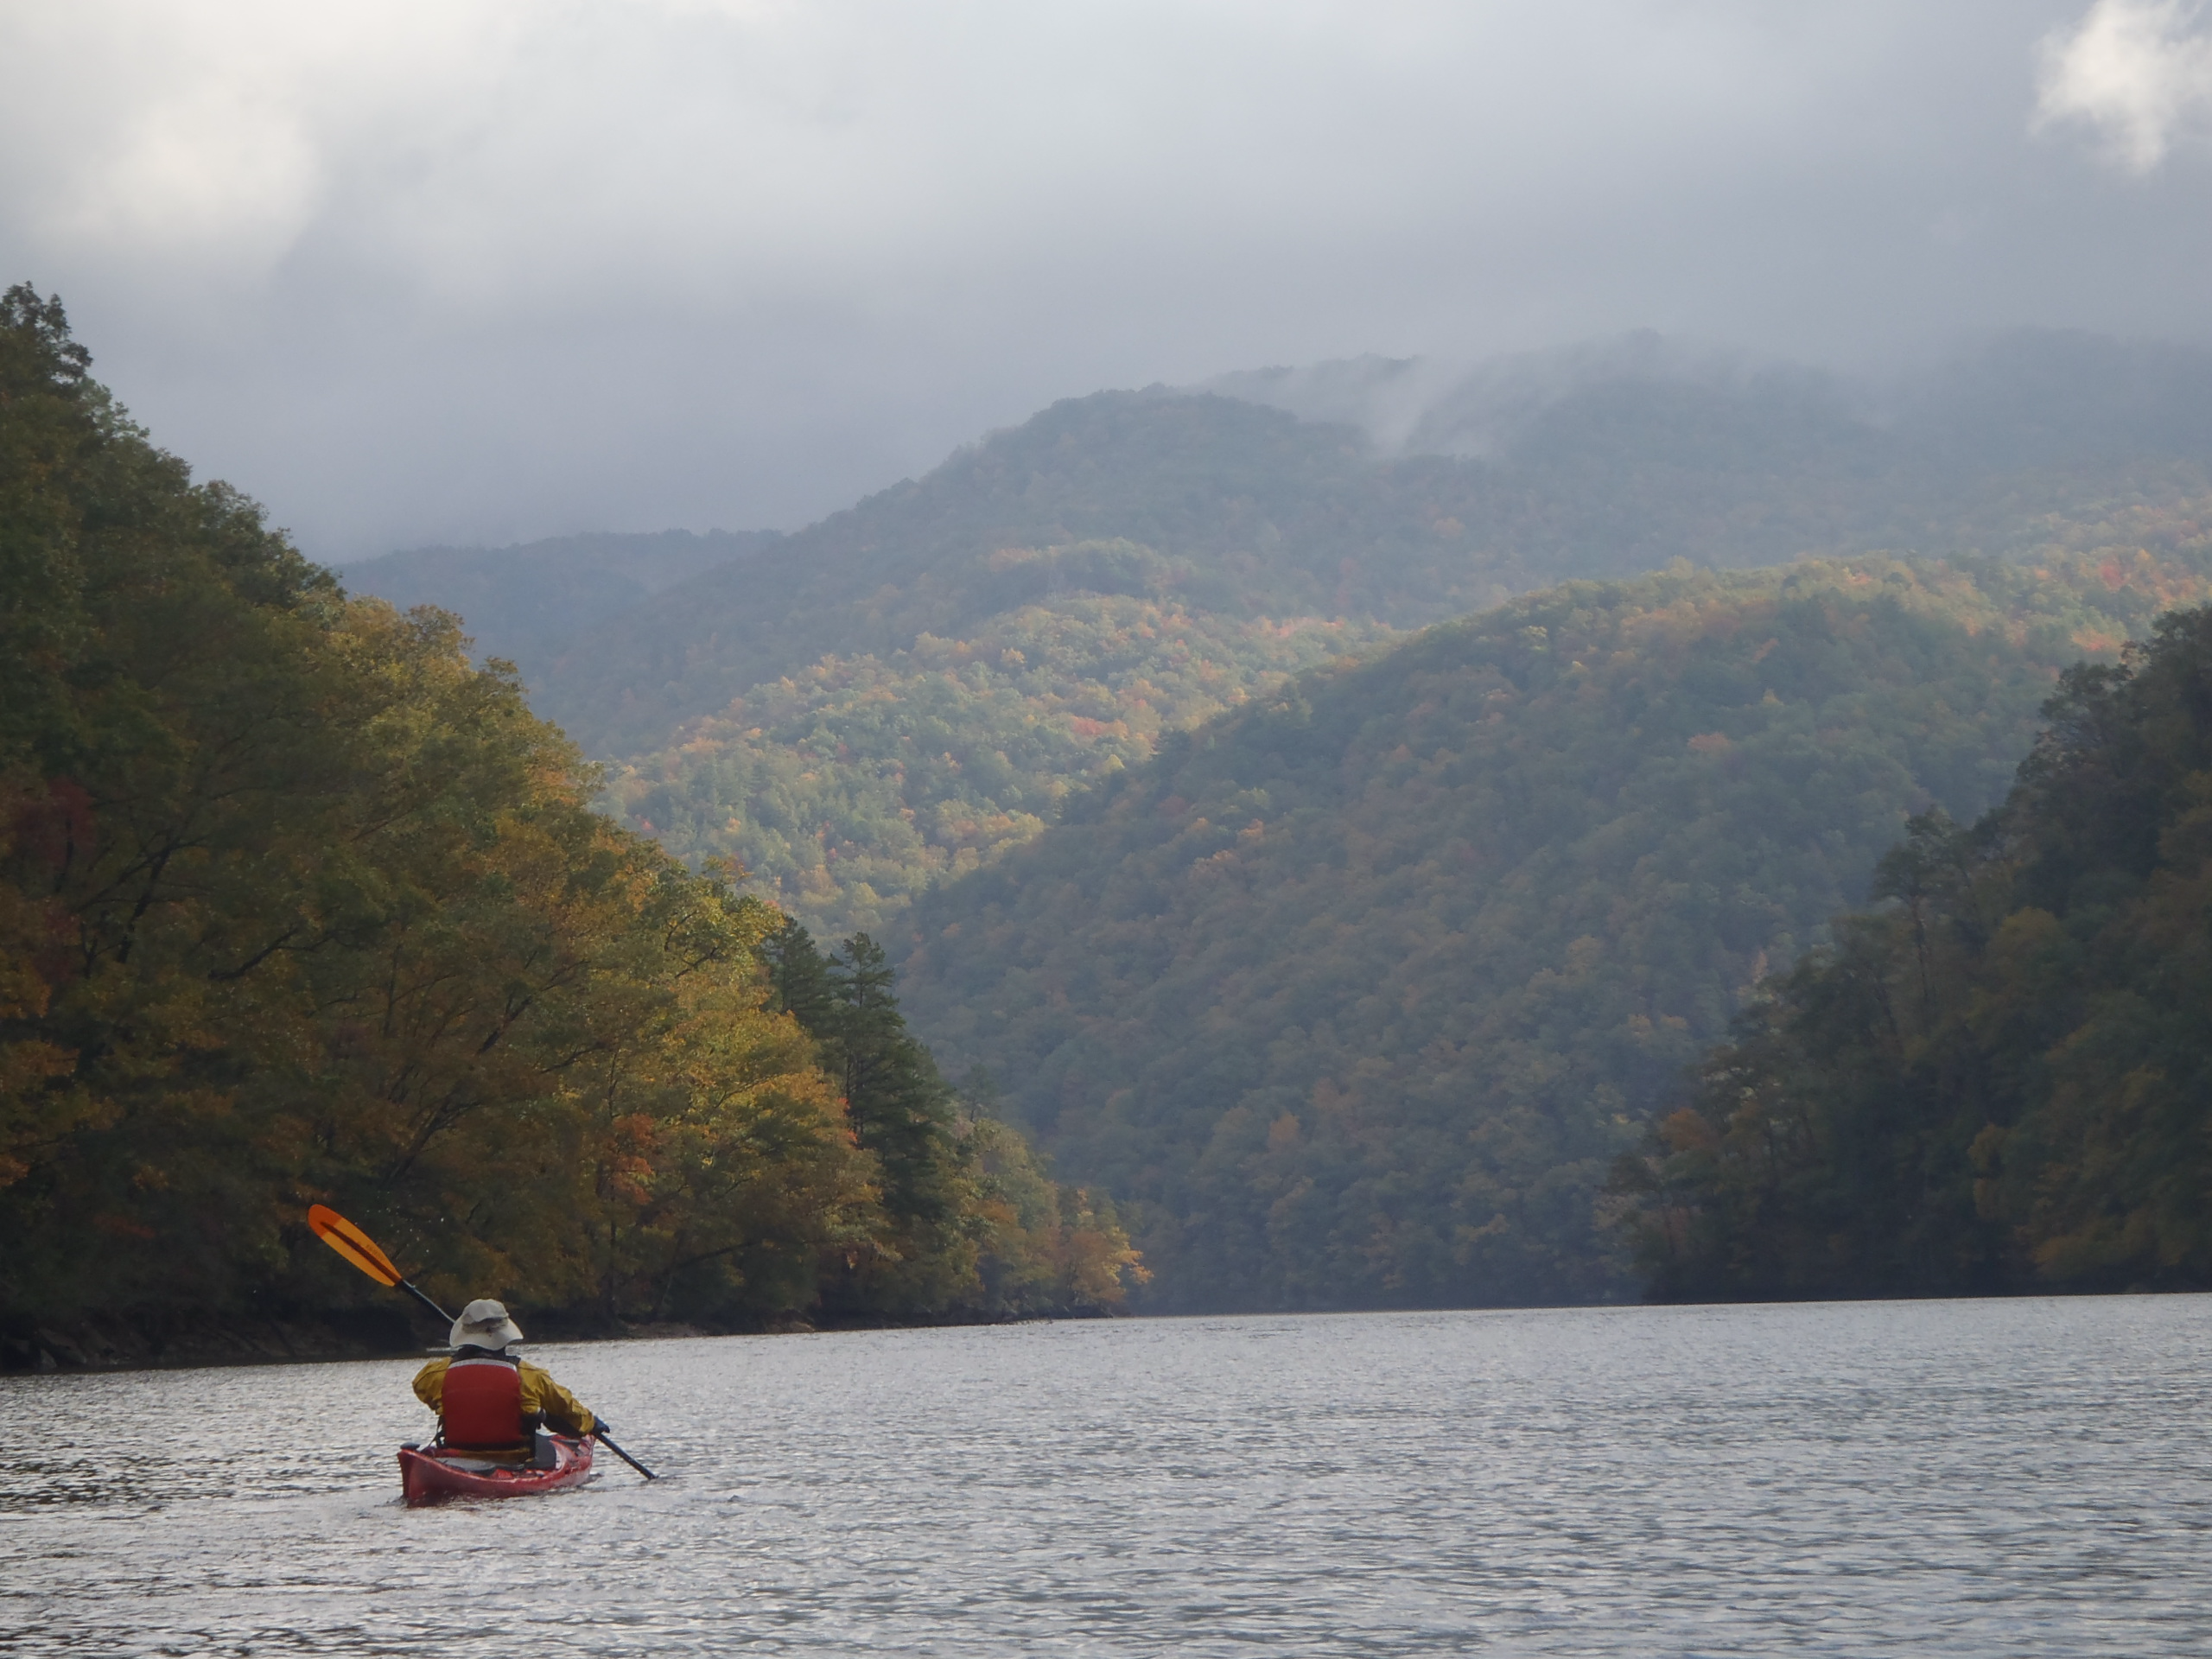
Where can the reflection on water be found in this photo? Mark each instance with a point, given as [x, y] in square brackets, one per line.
[1994, 1478]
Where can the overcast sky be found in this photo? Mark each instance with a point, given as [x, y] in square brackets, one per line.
[438, 270]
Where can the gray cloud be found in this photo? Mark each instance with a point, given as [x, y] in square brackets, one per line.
[421, 271]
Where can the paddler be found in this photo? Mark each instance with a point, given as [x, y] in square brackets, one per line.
[488, 1397]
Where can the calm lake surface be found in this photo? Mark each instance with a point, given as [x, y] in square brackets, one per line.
[1955, 1478]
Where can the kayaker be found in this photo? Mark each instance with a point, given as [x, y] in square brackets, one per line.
[488, 1397]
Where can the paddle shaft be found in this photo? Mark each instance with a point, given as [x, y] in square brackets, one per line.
[602, 1436]
[444, 1318]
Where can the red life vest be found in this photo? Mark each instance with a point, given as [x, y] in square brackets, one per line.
[483, 1403]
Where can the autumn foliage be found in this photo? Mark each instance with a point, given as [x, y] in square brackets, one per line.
[296, 904]
[1355, 994]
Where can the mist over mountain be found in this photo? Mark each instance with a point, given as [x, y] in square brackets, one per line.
[2013, 400]
[467, 272]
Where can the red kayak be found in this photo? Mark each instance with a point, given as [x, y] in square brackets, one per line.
[433, 1474]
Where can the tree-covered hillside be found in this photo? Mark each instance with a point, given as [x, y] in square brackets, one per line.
[845, 789]
[295, 904]
[2001, 1079]
[1360, 989]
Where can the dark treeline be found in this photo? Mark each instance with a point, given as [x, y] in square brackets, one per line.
[932, 1147]
[2000, 1079]
[296, 904]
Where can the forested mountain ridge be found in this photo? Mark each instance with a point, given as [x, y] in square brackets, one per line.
[1358, 991]
[296, 904]
[1999, 1080]
[521, 603]
[1247, 511]
[1186, 483]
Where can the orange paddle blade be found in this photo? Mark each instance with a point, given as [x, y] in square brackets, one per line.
[350, 1242]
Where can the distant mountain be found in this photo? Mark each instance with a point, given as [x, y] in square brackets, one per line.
[1602, 463]
[1356, 992]
[905, 690]
[519, 600]
[1355, 964]
[908, 688]
[1230, 509]
[2042, 399]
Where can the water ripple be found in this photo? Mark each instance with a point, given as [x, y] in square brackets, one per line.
[1993, 1478]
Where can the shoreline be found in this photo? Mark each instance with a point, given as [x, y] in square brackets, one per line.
[106, 1345]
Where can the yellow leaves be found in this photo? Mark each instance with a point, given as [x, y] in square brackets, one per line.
[1214, 867]
[321, 911]
[1687, 1130]
[532, 1040]
[628, 1150]
[1046, 1248]
[34, 1113]
[1099, 1265]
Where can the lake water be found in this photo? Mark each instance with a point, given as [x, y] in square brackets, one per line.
[1959, 1478]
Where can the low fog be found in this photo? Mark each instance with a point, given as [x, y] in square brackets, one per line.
[477, 270]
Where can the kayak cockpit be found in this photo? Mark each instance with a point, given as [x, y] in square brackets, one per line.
[431, 1474]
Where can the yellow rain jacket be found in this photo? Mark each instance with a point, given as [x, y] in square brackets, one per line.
[540, 1393]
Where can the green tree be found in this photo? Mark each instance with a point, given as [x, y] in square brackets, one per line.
[901, 1109]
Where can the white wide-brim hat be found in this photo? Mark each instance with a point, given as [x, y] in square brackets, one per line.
[485, 1325]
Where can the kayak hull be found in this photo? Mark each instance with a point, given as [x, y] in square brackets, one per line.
[433, 1475]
